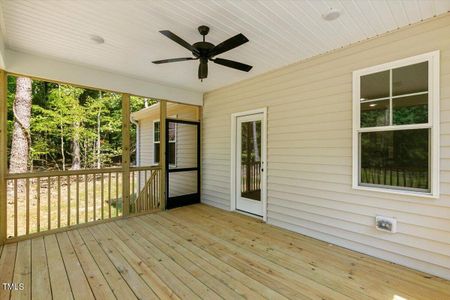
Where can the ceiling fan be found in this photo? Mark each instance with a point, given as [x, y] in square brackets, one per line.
[205, 51]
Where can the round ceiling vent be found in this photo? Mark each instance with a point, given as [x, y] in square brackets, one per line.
[332, 14]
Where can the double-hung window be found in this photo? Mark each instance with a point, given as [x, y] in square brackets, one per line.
[396, 126]
[172, 142]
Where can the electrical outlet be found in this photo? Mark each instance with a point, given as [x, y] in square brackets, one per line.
[387, 224]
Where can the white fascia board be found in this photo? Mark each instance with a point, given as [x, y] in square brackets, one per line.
[51, 69]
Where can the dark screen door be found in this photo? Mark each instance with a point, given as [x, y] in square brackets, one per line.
[182, 163]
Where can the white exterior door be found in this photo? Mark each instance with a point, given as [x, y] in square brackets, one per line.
[250, 164]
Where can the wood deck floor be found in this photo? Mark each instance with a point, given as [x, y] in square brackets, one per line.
[201, 252]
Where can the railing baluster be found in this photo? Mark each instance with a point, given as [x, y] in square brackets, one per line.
[102, 196]
[59, 201]
[117, 194]
[94, 196]
[68, 200]
[78, 198]
[133, 190]
[15, 207]
[27, 199]
[86, 196]
[109, 195]
[154, 189]
[146, 194]
[38, 191]
[49, 203]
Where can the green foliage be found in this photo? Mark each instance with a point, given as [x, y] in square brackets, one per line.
[63, 114]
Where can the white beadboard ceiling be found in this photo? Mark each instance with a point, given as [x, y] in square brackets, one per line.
[280, 32]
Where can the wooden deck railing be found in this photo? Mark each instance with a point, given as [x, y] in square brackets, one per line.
[145, 187]
[43, 201]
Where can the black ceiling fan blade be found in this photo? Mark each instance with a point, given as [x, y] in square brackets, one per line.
[170, 60]
[179, 41]
[229, 44]
[203, 70]
[232, 64]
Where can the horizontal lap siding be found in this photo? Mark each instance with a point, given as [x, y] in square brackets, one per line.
[309, 152]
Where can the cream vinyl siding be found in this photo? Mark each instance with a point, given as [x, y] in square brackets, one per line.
[185, 155]
[310, 152]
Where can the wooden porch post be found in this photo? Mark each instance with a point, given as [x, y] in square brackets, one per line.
[3, 154]
[162, 152]
[126, 154]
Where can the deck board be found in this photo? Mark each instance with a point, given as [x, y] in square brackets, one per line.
[7, 264]
[59, 280]
[40, 278]
[201, 252]
[78, 281]
[22, 271]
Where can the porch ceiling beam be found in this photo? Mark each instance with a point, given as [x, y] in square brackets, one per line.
[54, 70]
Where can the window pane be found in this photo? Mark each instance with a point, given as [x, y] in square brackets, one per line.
[374, 86]
[375, 113]
[251, 160]
[410, 110]
[395, 158]
[156, 153]
[156, 131]
[410, 79]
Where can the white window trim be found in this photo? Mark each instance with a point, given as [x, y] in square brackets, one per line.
[158, 142]
[433, 59]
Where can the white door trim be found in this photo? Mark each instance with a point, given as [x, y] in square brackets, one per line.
[263, 157]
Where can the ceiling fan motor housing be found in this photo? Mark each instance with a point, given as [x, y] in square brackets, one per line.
[203, 48]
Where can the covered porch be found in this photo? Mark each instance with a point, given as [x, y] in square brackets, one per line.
[322, 174]
[201, 252]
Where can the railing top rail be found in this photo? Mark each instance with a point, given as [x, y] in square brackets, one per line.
[61, 173]
[145, 168]
[75, 172]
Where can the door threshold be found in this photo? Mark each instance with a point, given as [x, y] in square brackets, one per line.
[248, 214]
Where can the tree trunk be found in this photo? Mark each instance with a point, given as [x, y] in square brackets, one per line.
[76, 152]
[21, 138]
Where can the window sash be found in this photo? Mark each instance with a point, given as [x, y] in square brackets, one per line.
[396, 187]
[156, 140]
[433, 122]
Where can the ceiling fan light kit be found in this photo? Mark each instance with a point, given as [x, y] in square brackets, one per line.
[205, 51]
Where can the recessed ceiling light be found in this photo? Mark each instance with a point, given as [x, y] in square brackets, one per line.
[97, 39]
[372, 105]
[332, 14]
